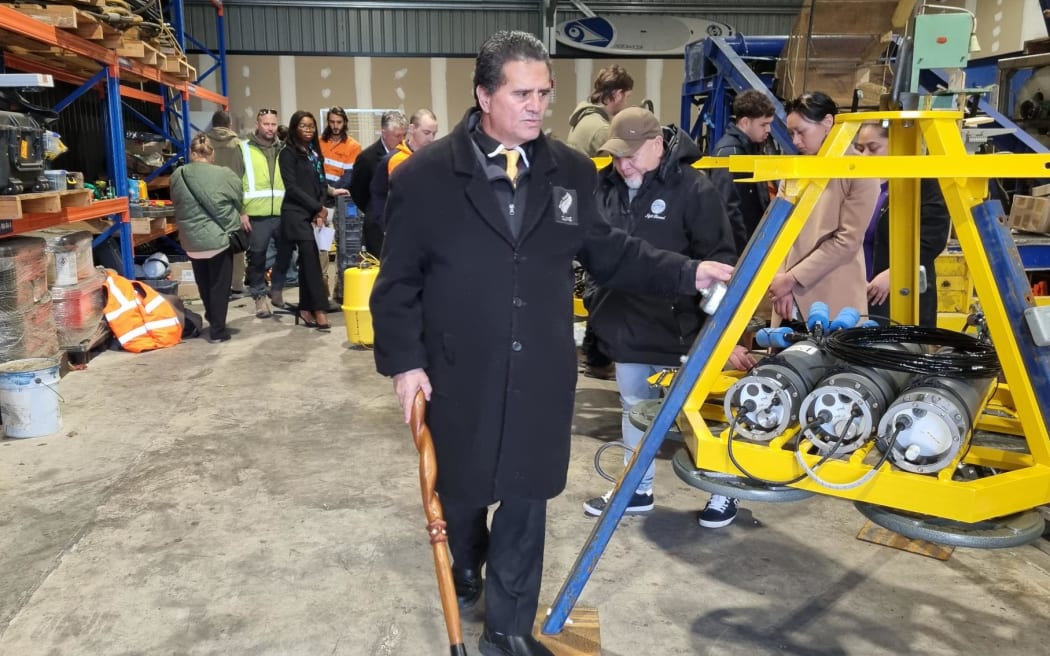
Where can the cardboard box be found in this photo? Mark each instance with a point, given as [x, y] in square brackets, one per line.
[1030, 213]
[183, 272]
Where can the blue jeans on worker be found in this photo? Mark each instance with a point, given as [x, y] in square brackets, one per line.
[633, 384]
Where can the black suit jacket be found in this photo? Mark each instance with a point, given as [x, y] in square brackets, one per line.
[361, 177]
[489, 316]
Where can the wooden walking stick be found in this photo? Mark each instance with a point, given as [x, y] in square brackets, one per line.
[436, 524]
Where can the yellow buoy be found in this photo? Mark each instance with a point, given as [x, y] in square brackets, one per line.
[357, 287]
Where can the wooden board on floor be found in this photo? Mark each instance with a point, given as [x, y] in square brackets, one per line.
[580, 636]
[875, 534]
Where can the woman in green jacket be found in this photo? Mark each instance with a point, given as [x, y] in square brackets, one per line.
[208, 202]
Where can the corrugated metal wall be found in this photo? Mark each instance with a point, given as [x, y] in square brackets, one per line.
[435, 28]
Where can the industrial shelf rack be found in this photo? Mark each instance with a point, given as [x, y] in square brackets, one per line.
[97, 65]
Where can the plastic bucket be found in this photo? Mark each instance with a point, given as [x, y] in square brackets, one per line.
[357, 287]
[29, 398]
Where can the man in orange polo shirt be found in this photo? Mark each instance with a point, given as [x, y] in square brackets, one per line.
[339, 151]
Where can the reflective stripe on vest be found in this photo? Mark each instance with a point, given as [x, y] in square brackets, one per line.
[274, 192]
[140, 318]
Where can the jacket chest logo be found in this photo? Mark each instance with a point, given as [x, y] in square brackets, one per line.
[565, 202]
[657, 210]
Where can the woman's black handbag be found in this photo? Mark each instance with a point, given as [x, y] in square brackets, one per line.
[238, 240]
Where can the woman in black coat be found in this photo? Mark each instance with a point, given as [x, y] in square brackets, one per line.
[305, 191]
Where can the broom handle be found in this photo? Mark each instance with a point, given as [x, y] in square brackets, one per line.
[436, 524]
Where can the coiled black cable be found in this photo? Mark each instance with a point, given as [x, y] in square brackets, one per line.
[960, 356]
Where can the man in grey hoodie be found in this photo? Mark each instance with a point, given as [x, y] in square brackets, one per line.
[589, 123]
[228, 153]
[588, 131]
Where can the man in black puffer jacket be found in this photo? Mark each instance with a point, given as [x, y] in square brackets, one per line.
[651, 191]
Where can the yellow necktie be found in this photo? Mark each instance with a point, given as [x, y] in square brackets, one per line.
[512, 166]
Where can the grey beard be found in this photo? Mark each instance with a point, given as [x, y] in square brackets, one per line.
[634, 184]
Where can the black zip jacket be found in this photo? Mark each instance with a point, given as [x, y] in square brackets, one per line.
[746, 202]
[676, 209]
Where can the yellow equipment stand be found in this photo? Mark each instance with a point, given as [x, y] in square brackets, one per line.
[1022, 480]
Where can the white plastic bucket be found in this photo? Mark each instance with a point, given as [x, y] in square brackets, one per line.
[29, 398]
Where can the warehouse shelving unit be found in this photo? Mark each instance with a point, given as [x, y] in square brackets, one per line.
[96, 64]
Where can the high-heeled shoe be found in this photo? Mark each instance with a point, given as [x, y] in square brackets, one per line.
[309, 323]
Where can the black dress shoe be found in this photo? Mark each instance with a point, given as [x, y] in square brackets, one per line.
[468, 584]
[503, 644]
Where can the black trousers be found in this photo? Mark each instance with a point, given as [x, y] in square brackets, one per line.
[213, 277]
[513, 551]
[372, 236]
[312, 293]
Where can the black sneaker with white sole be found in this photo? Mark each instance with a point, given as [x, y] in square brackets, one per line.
[720, 511]
[639, 504]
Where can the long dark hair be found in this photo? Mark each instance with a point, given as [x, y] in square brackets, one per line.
[293, 134]
[812, 106]
[326, 135]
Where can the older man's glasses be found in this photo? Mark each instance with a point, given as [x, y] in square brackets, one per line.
[265, 112]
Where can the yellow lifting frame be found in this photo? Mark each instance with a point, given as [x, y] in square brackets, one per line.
[1024, 481]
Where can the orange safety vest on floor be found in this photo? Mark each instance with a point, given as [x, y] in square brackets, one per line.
[140, 318]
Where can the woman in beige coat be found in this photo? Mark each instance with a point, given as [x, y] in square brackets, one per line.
[826, 263]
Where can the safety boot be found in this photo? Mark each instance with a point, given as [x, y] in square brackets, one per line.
[262, 308]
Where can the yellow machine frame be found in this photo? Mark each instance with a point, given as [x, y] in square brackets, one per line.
[1023, 481]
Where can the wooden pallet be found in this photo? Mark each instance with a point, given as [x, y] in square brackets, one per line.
[875, 534]
[141, 51]
[61, 16]
[91, 28]
[44, 202]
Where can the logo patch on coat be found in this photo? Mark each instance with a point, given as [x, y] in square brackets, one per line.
[565, 200]
[656, 210]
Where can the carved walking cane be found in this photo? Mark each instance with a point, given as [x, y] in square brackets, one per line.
[436, 524]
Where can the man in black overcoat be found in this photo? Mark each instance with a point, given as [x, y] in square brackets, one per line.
[473, 306]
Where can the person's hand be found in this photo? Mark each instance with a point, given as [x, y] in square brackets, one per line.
[783, 285]
[246, 223]
[710, 272]
[785, 306]
[879, 288]
[741, 358]
[340, 192]
[406, 384]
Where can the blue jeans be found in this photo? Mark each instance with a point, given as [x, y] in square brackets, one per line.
[632, 382]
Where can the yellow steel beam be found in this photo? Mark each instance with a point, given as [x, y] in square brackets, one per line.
[779, 167]
[904, 196]
[1024, 488]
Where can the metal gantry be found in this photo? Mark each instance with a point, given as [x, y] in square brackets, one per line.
[1021, 480]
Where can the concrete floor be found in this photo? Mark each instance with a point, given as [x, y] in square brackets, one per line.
[260, 497]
